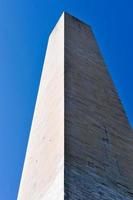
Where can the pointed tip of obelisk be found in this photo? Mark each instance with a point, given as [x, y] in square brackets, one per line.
[67, 17]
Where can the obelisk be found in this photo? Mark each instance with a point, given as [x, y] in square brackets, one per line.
[81, 144]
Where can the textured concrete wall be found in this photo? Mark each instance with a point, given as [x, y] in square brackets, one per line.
[98, 138]
[43, 173]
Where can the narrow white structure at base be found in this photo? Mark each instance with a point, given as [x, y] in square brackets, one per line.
[43, 173]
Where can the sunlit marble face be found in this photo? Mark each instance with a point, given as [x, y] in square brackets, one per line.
[43, 173]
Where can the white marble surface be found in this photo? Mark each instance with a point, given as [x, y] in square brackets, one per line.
[43, 173]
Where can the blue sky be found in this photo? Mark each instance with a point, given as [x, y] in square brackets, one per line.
[24, 29]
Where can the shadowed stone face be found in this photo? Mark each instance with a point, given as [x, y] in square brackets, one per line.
[98, 138]
[81, 144]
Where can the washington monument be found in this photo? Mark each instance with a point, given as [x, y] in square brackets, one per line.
[81, 144]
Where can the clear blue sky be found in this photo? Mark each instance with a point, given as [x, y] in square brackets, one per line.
[24, 29]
